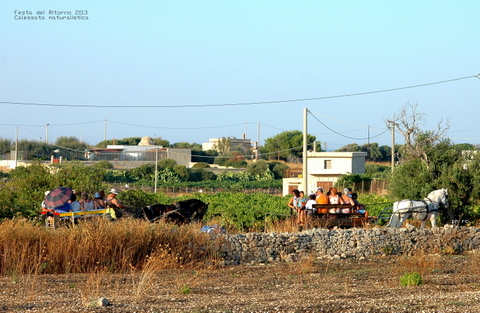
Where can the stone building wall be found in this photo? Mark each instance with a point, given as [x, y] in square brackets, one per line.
[345, 243]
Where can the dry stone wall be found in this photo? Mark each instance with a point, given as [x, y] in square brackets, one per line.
[344, 243]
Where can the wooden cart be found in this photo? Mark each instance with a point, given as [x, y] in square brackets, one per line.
[53, 219]
[340, 215]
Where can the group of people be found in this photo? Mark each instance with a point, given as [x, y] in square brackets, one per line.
[303, 206]
[86, 203]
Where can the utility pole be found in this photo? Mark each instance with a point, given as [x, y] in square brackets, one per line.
[156, 168]
[368, 142]
[105, 130]
[305, 148]
[16, 147]
[258, 134]
[392, 126]
[46, 133]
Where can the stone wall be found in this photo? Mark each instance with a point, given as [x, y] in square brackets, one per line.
[344, 243]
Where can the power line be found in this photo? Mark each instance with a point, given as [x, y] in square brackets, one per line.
[157, 127]
[340, 134]
[53, 125]
[241, 103]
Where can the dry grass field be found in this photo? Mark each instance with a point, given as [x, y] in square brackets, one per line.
[141, 267]
[451, 283]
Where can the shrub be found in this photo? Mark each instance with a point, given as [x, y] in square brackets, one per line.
[411, 279]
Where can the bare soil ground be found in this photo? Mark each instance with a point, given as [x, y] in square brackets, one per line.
[451, 283]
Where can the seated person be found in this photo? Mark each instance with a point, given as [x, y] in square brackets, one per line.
[86, 204]
[44, 206]
[347, 197]
[74, 204]
[64, 208]
[334, 198]
[112, 200]
[98, 201]
[309, 206]
[358, 206]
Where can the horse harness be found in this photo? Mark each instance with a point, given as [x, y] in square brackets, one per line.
[426, 207]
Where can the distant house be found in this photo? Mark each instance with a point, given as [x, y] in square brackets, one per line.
[325, 168]
[242, 144]
[145, 151]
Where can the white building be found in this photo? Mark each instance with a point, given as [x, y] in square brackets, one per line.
[324, 170]
[235, 144]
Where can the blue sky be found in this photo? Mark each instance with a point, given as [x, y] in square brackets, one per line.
[171, 54]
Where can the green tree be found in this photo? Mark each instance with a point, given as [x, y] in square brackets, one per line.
[70, 142]
[161, 142]
[278, 169]
[194, 146]
[223, 146]
[5, 145]
[29, 150]
[130, 141]
[287, 145]
[351, 147]
[257, 168]
[167, 163]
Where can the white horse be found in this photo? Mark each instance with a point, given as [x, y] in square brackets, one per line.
[420, 210]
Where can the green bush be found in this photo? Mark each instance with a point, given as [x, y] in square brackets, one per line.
[411, 279]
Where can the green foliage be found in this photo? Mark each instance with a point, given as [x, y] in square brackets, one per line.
[377, 171]
[3, 174]
[278, 169]
[79, 177]
[167, 163]
[375, 152]
[185, 289]
[375, 203]
[287, 145]
[167, 175]
[199, 174]
[34, 150]
[223, 146]
[194, 146]
[204, 156]
[70, 142]
[236, 163]
[245, 211]
[257, 168]
[411, 279]
[351, 179]
[5, 145]
[25, 189]
[181, 171]
[234, 176]
[145, 171]
[138, 198]
[161, 142]
[411, 180]
[117, 176]
[103, 165]
[200, 165]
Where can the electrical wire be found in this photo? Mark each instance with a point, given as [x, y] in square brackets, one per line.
[157, 127]
[340, 134]
[241, 103]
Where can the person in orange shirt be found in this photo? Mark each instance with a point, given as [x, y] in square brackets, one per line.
[321, 198]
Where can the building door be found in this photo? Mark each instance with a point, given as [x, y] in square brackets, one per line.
[291, 188]
[326, 185]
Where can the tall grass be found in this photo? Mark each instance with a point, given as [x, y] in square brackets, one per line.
[121, 246]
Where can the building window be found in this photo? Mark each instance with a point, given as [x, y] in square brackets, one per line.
[327, 164]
